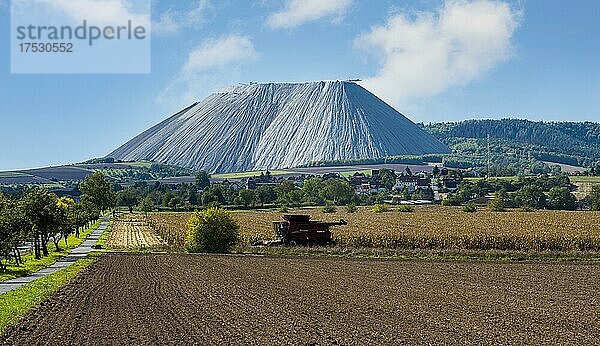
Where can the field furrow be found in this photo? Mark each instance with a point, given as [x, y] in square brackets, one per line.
[231, 300]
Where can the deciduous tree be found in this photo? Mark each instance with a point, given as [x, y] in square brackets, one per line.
[97, 190]
[202, 180]
[41, 209]
[560, 198]
[247, 197]
[129, 198]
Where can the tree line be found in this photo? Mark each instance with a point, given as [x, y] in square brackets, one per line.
[39, 216]
[542, 192]
[313, 191]
[202, 193]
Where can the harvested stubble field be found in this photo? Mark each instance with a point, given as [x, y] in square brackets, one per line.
[158, 299]
[428, 228]
[131, 231]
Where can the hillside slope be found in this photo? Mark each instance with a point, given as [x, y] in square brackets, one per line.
[280, 125]
[575, 143]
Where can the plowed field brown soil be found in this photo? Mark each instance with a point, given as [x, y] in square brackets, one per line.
[154, 299]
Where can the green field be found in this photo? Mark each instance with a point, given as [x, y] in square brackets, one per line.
[138, 164]
[248, 174]
[12, 174]
[348, 174]
[574, 179]
[582, 179]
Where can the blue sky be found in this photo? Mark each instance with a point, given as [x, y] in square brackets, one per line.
[432, 60]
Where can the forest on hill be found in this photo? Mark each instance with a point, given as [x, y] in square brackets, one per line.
[516, 147]
[520, 145]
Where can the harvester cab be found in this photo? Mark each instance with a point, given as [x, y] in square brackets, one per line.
[281, 228]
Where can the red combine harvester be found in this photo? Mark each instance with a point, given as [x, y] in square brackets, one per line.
[299, 229]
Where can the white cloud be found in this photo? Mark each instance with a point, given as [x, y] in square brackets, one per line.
[172, 21]
[432, 52]
[105, 12]
[210, 66]
[219, 53]
[298, 12]
[166, 24]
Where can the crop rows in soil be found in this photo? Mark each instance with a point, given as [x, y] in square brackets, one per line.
[199, 299]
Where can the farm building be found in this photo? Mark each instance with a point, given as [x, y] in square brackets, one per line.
[412, 183]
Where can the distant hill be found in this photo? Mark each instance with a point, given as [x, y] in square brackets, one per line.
[280, 125]
[115, 171]
[572, 143]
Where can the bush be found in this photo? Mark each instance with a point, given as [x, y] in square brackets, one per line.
[497, 205]
[213, 205]
[406, 209]
[527, 209]
[351, 208]
[329, 208]
[594, 198]
[596, 205]
[283, 209]
[211, 230]
[380, 208]
[499, 202]
[470, 208]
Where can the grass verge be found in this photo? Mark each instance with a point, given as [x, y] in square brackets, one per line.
[16, 303]
[32, 265]
[102, 241]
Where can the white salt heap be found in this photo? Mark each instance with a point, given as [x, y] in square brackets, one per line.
[280, 125]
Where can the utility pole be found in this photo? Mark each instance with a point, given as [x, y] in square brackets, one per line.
[488, 157]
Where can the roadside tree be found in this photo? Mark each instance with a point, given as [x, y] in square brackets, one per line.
[41, 210]
[97, 190]
[146, 205]
[312, 190]
[594, 198]
[530, 196]
[247, 197]
[499, 201]
[340, 192]
[66, 220]
[266, 194]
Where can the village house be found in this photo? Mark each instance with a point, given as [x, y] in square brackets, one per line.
[411, 183]
[450, 184]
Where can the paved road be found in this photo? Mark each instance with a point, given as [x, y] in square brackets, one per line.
[79, 252]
